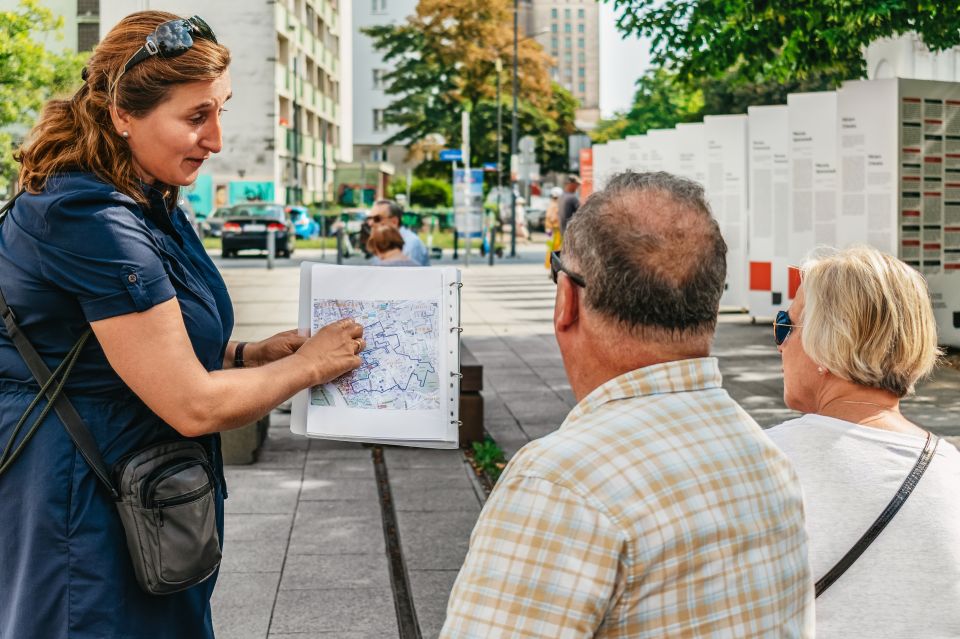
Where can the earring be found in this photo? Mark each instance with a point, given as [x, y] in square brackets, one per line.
[125, 134]
[820, 370]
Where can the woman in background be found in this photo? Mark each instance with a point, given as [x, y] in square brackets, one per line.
[386, 244]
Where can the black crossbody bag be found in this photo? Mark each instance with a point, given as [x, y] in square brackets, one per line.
[877, 527]
[164, 493]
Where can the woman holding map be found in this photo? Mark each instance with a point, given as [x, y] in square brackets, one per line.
[97, 241]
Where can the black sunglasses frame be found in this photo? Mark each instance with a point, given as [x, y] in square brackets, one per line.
[556, 266]
[160, 43]
[782, 327]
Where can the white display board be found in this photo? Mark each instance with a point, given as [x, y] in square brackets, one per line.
[636, 152]
[769, 147]
[691, 151]
[933, 148]
[601, 165]
[867, 142]
[814, 179]
[663, 150]
[617, 158]
[726, 155]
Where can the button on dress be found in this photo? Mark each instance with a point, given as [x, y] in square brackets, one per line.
[75, 253]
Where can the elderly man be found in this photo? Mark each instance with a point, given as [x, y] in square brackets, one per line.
[569, 202]
[659, 508]
[390, 213]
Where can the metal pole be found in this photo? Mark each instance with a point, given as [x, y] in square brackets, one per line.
[513, 134]
[296, 135]
[340, 245]
[271, 248]
[323, 195]
[493, 225]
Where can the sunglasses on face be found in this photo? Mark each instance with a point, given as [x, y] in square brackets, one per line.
[556, 266]
[374, 219]
[782, 326]
[169, 40]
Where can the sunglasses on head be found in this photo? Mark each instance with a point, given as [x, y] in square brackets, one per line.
[556, 266]
[782, 326]
[169, 40]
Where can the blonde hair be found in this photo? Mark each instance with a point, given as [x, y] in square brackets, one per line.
[867, 317]
[78, 134]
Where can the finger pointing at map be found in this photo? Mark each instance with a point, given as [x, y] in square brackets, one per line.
[333, 351]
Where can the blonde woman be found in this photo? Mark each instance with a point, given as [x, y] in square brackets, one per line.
[855, 341]
[98, 241]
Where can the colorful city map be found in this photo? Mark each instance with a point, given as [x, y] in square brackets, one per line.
[400, 364]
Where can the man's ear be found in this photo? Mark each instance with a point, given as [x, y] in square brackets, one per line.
[120, 118]
[566, 312]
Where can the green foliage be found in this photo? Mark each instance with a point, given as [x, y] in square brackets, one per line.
[29, 75]
[444, 61]
[786, 40]
[424, 192]
[489, 458]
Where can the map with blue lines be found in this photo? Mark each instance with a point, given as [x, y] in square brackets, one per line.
[400, 365]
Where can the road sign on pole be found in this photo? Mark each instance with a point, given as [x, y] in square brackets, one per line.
[451, 155]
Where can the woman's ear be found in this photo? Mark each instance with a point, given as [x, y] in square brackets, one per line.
[121, 120]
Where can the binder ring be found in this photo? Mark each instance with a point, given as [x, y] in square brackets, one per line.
[457, 422]
[456, 374]
[457, 284]
[458, 329]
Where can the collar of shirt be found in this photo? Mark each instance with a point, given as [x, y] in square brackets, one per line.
[679, 376]
[158, 212]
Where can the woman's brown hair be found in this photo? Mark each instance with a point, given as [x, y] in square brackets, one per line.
[78, 134]
[384, 238]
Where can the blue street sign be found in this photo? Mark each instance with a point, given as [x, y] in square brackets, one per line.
[451, 155]
[489, 166]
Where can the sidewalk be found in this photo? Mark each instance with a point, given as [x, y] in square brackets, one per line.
[305, 552]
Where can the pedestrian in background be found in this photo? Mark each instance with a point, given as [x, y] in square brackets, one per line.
[386, 244]
[659, 508]
[569, 202]
[551, 224]
[858, 336]
[389, 213]
[98, 241]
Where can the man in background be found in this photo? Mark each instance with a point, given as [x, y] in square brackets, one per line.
[569, 202]
[659, 508]
[390, 213]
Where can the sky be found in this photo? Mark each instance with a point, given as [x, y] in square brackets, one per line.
[622, 61]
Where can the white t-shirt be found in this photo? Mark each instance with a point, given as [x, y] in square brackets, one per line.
[907, 583]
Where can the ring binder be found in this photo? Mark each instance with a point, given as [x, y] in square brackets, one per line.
[459, 329]
[457, 422]
[456, 374]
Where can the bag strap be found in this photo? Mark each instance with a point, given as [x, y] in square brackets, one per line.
[71, 419]
[874, 531]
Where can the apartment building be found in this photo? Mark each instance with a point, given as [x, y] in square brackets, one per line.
[81, 23]
[288, 123]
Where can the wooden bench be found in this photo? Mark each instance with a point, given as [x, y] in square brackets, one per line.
[471, 401]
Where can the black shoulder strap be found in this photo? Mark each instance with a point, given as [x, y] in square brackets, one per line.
[874, 531]
[72, 421]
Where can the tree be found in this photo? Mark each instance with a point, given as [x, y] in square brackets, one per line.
[29, 75]
[661, 101]
[444, 62]
[779, 41]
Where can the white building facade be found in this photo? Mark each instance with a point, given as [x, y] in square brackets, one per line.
[285, 128]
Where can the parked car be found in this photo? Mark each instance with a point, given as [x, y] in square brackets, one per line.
[305, 226]
[245, 226]
[212, 225]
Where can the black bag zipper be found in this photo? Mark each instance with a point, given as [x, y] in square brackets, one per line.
[151, 481]
[193, 495]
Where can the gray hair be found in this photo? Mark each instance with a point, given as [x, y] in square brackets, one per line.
[651, 254]
[393, 209]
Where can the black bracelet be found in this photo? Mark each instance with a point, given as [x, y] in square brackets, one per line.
[238, 355]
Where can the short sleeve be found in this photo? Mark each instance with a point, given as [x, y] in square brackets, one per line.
[97, 247]
[542, 563]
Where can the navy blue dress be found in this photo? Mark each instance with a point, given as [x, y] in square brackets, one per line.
[75, 253]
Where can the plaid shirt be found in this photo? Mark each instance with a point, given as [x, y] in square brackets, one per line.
[658, 509]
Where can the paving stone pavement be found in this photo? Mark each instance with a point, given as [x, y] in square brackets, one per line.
[304, 549]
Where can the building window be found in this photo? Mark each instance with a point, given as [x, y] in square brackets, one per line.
[553, 73]
[581, 57]
[554, 13]
[88, 34]
[580, 13]
[583, 87]
[580, 28]
[378, 123]
[566, 13]
[580, 42]
[567, 43]
[379, 6]
[555, 43]
[378, 155]
[566, 56]
[582, 72]
[566, 28]
[378, 78]
[553, 27]
[88, 7]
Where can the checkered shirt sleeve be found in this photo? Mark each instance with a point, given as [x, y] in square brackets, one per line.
[542, 563]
